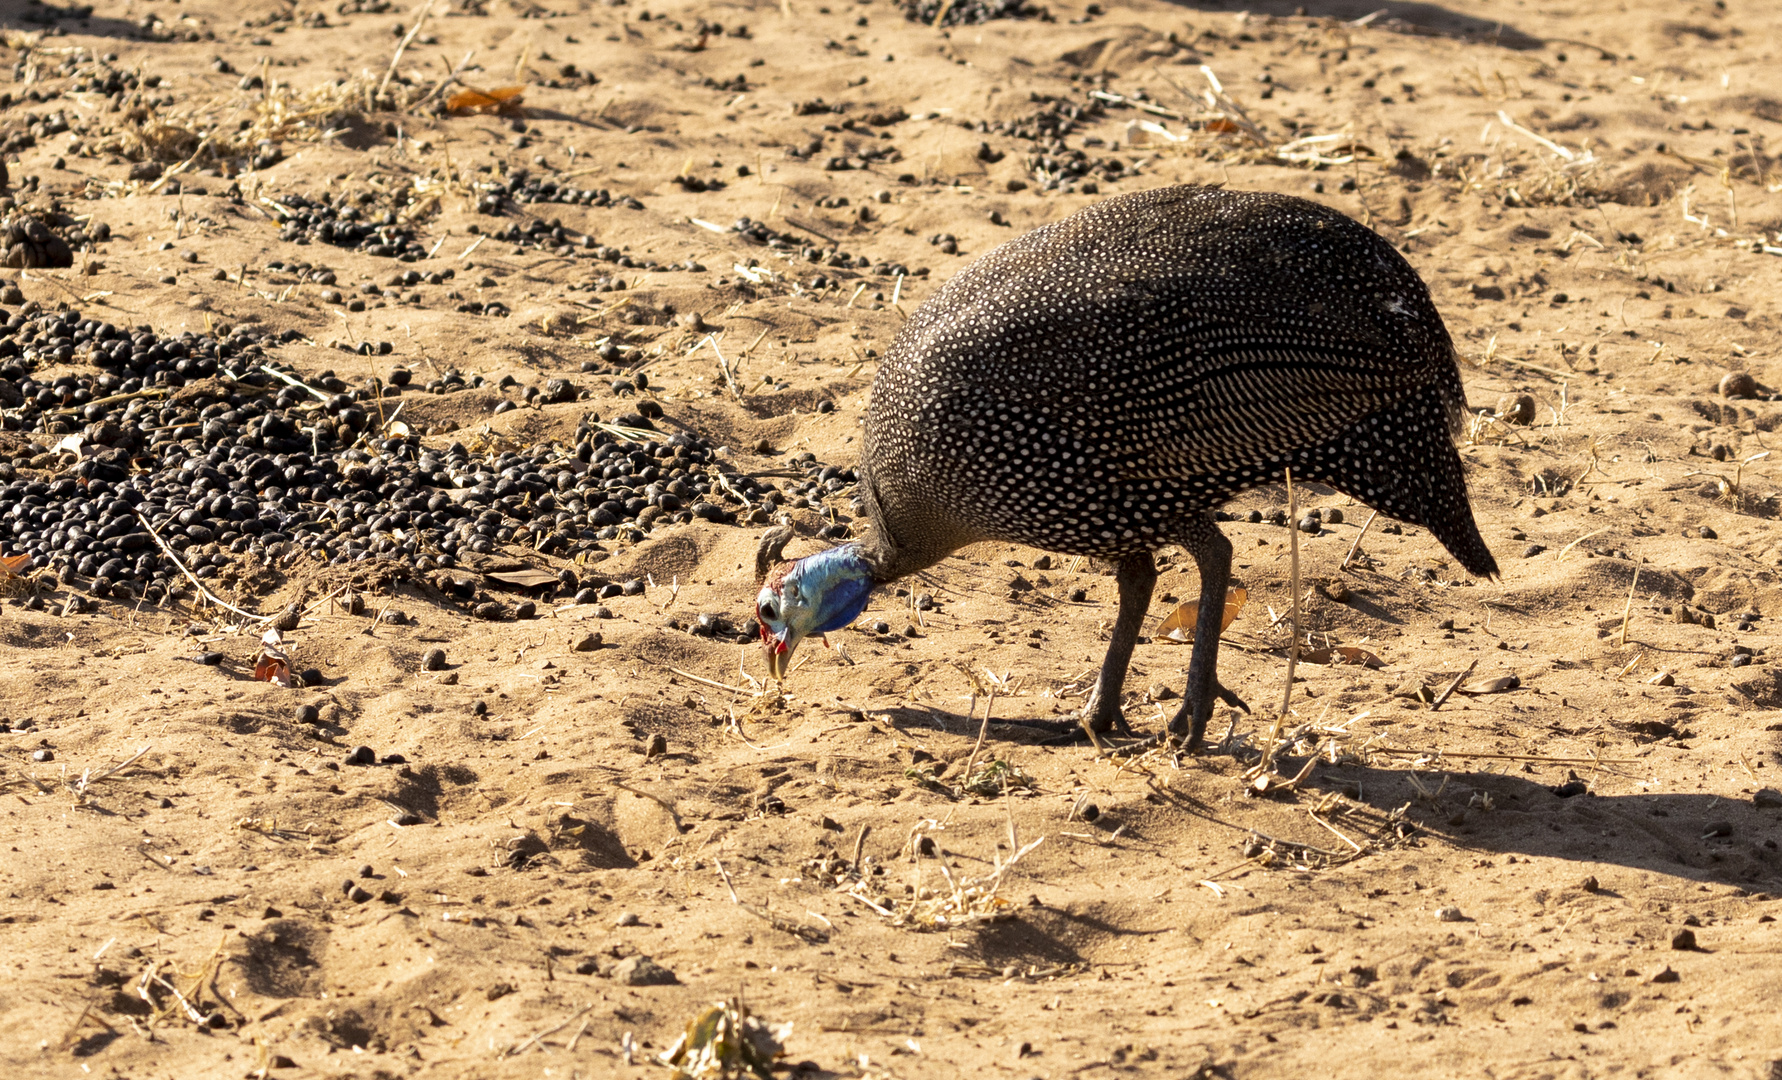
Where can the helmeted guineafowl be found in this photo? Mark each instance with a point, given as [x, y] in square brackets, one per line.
[1100, 385]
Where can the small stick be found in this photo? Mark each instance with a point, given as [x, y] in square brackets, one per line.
[520, 1048]
[208, 595]
[119, 767]
[1567, 550]
[983, 730]
[711, 683]
[1293, 549]
[1506, 757]
[1627, 609]
[857, 293]
[1356, 546]
[402, 45]
[860, 845]
[299, 384]
[1447, 691]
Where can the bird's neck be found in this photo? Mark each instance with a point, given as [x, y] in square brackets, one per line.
[890, 556]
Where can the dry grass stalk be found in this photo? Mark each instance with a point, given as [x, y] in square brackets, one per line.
[964, 901]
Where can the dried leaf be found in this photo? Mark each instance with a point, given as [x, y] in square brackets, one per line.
[504, 100]
[1491, 686]
[525, 579]
[14, 565]
[1222, 125]
[1178, 625]
[724, 1042]
[273, 669]
[1342, 654]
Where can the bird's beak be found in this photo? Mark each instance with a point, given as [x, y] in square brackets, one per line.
[779, 652]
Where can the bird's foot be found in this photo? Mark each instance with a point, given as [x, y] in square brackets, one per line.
[1191, 727]
[1101, 714]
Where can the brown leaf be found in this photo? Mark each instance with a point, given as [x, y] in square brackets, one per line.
[504, 100]
[1342, 654]
[1491, 686]
[14, 565]
[1178, 625]
[273, 669]
[525, 579]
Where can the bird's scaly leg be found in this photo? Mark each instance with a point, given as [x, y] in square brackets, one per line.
[1135, 575]
[1212, 554]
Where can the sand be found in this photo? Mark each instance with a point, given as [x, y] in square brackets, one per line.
[1494, 887]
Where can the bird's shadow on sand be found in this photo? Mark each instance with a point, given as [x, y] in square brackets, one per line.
[1699, 837]
[1415, 18]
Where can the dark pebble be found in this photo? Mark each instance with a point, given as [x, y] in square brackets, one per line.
[1684, 941]
[433, 660]
[1078, 596]
[210, 659]
[43, 755]
[1707, 533]
[308, 714]
[362, 755]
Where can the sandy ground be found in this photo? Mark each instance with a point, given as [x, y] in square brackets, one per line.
[1494, 887]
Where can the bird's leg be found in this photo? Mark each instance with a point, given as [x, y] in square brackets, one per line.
[1136, 575]
[1212, 554]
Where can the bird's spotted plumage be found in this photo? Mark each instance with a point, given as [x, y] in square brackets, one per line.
[1097, 386]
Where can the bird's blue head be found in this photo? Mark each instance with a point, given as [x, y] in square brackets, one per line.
[814, 595]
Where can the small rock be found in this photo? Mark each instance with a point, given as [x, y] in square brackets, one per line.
[657, 747]
[43, 755]
[210, 659]
[1717, 828]
[628, 919]
[587, 967]
[1449, 914]
[362, 755]
[1089, 812]
[1738, 384]
[359, 895]
[433, 660]
[1311, 523]
[1667, 976]
[490, 611]
[308, 714]
[1707, 533]
[642, 971]
[588, 643]
[1684, 941]
[1044, 562]
[1590, 884]
[1767, 799]
[1162, 692]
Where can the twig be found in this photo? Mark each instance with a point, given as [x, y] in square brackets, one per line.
[1504, 119]
[1448, 691]
[1293, 549]
[1627, 609]
[1566, 550]
[983, 731]
[713, 684]
[1356, 546]
[1505, 757]
[403, 45]
[115, 769]
[860, 845]
[208, 595]
[298, 383]
[520, 1048]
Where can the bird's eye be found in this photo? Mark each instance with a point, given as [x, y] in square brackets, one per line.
[769, 611]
